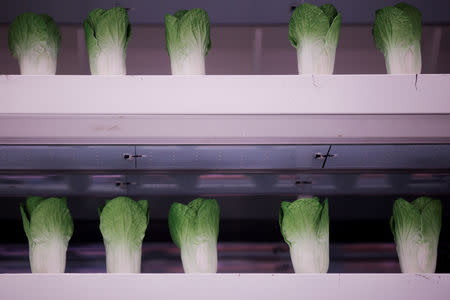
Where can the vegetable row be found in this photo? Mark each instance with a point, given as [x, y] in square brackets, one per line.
[194, 228]
[313, 30]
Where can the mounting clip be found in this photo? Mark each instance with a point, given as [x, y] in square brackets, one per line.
[321, 156]
[128, 156]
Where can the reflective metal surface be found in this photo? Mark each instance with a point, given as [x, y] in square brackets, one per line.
[65, 157]
[367, 157]
[220, 183]
[226, 157]
[225, 170]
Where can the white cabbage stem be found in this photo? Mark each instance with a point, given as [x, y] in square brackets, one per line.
[314, 58]
[111, 61]
[191, 64]
[123, 258]
[48, 256]
[417, 257]
[37, 62]
[199, 258]
[310, 256]
[404, 60]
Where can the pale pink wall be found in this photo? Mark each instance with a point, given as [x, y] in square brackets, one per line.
[241, 50]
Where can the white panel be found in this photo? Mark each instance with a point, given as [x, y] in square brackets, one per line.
[225, 109]
[226, 286]
[288, 94]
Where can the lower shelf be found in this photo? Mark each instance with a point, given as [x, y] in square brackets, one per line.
[225, 286]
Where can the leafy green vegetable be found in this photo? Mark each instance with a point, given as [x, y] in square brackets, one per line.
[314, 31]
[416, 227]
[188, 41]
[49, 227]
[194, 228]
[123, 223]
[107, 34]
[304, 226]
[397, 32]
[35, 41]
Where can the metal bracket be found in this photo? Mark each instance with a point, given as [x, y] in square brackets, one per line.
[123, 184]
[303, 180]
[321, 156]
[128, 156]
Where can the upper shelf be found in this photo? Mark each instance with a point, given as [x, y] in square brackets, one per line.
[224, 94]
[225, 109]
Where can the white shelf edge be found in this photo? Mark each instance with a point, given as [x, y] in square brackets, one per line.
[226, 94]
[291, 109]
[225, 286]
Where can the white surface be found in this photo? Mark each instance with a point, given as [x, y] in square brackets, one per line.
[226, 286]
[289, 94]
[225, 109]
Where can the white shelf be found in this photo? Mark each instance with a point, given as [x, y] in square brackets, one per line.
[236, 95]
[225, 109]
[226, 286]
